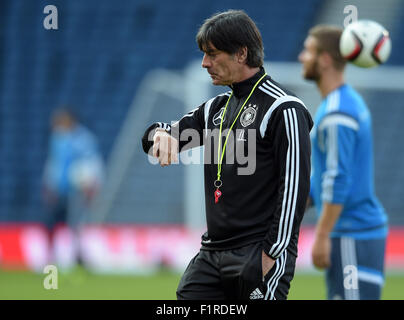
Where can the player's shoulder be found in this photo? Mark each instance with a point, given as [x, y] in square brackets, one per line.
[222, 96]
[271, 90]
[344, 100]
[217, 100]
[83, 133]
[344, 106]
[277, 96]
[282, 103]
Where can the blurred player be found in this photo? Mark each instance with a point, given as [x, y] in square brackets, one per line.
[253, 216]
[73, 174]
[352, 226]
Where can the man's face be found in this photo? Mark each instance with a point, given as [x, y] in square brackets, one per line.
[222, 66]
[309, 59]
[62, 123]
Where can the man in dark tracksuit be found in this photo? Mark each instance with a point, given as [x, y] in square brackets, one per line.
[257, 175]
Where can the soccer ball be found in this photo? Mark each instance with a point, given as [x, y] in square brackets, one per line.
[365, 43]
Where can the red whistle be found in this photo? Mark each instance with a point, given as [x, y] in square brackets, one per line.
[218, 193]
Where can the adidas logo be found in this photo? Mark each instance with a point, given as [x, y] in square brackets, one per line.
[256, 294]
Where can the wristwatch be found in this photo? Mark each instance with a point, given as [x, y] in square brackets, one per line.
[161, 129]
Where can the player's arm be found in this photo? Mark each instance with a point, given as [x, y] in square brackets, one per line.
[339, 132]
[164, 141]
[322, 244]
[290, 128]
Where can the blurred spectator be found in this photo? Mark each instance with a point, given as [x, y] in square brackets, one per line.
[72, 177]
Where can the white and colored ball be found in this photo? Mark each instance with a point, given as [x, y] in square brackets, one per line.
[365, 43]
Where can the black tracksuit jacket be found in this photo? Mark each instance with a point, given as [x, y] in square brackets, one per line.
[266, 204]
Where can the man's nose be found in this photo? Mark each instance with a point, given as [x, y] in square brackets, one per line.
[300, 56]
[205, 61]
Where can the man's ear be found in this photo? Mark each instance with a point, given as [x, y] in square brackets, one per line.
[241, 55]
[325, 60]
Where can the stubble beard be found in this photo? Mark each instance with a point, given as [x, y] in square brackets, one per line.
[312, 73]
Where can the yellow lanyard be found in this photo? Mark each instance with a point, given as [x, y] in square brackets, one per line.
[218, 183]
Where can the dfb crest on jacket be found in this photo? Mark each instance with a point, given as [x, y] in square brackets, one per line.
[248, 116]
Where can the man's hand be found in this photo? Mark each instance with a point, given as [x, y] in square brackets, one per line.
[267, 263]
[165, 147]
[321, 251]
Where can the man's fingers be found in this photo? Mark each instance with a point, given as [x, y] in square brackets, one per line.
[165, 148]
[174, 150]
[318, 263]
[163, 157]
[156, 145]
[321, 261]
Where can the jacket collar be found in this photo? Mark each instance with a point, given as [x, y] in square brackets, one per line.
[243, 88]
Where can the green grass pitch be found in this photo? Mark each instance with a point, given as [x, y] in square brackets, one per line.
[160, 286]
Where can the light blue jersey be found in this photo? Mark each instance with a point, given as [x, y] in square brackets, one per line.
[70, 151]
[342, 160]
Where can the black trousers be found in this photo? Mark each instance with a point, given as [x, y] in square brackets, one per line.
[236, 274]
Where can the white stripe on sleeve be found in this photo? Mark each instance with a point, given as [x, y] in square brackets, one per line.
[275, 87]
[270, 88]
[339, 119]
[331, 164]
[273, 95]
[276, 104]
[274, 280]
[291, 184]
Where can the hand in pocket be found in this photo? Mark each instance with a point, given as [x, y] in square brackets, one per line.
[267, 263]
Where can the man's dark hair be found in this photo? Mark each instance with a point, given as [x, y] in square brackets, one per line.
[231, 31]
